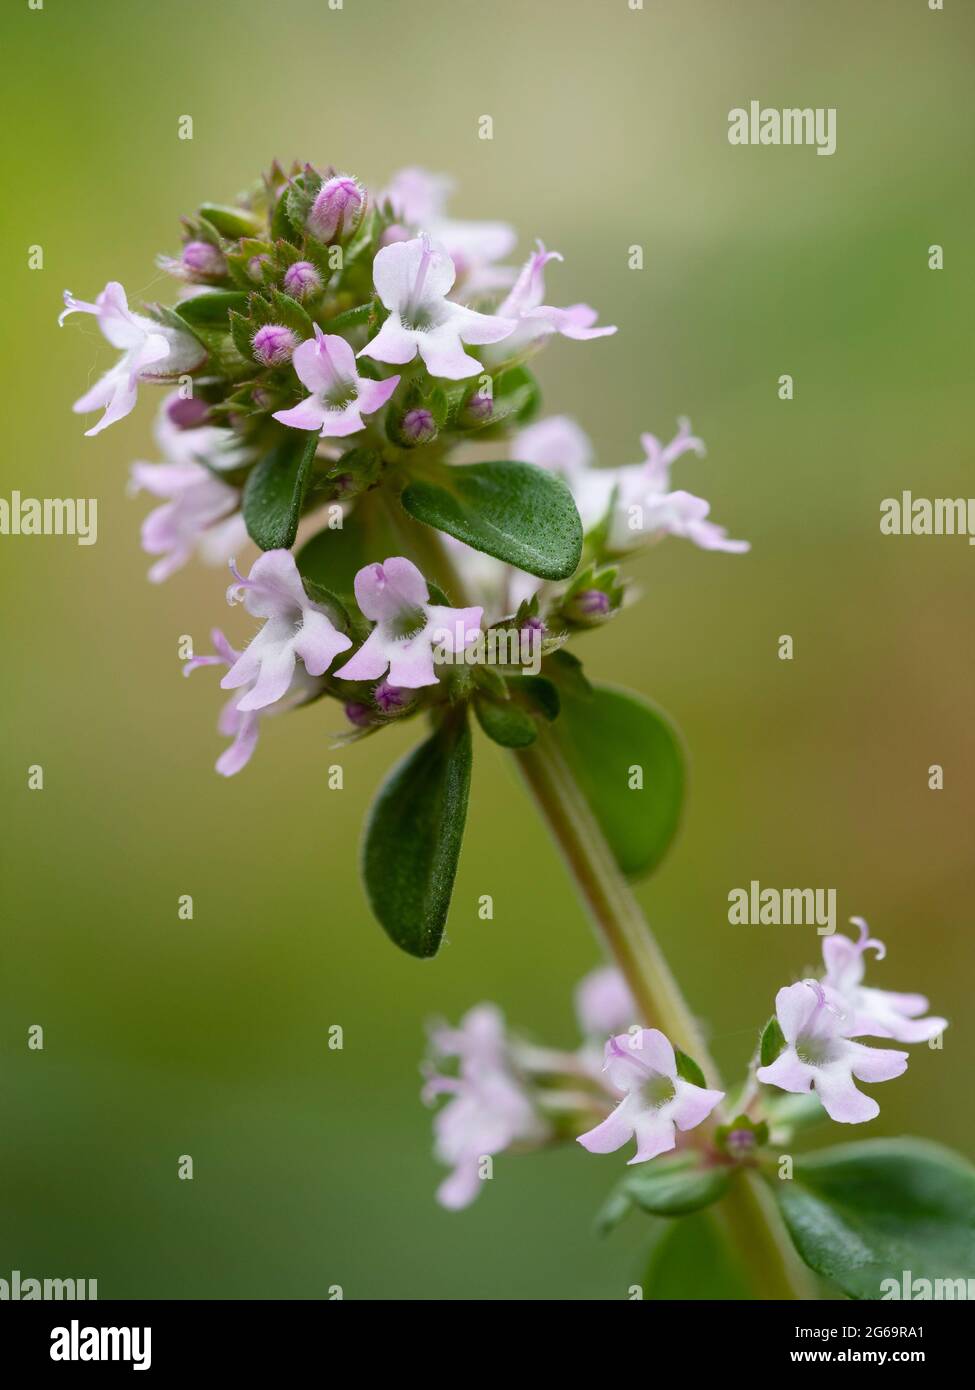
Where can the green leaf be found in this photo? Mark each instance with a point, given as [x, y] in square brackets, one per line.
[505, 722]
[602, 736]
[413, 838]
[773, 1042]
[614, 1210]
[676, 1186]
[862, 1213]
[211, 310]
[693, 1262]
[333, 557]
[514, 511]
[230, 222]
[689, 1069]
[275, 490]
[539, 693]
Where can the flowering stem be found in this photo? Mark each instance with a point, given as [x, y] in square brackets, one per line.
[748, 1213]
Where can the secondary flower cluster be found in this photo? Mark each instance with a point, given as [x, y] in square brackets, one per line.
[506, 1093]
[327, 348]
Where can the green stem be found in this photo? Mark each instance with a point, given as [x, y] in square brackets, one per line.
[748, 1212]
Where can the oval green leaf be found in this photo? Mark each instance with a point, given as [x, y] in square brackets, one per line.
[859, 1214]
[505, 722]
[514, 511]
[275, 490]
[413, 838]
[603, 735]
[676, 1187]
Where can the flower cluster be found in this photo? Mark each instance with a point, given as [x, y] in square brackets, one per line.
[330, 356]
[511, 1094]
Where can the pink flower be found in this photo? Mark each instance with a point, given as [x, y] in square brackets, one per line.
[326, 366]
[150, 352]
[821, 1057]
[604, 1003]
[656, 1101]
[243, 726]
[877, 1013]
[640, 505]
[489, 1110]
[394, 595]
[536, 320]
[413, 279]
[196, 499]
[293, 627]
[420, 198]
[337, 209]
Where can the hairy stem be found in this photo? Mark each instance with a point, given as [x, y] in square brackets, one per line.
[747, 1212]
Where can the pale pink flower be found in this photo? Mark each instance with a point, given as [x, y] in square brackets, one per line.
[877, 1013]
[243, 726]
[408, 627]
[820, 1055]
[339, 395]
[150, 352]
[294, 627]
[413, 279]
[490, 1108]
[642, 1067]
[536, 320]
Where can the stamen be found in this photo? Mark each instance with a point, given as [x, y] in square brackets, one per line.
[867, 942]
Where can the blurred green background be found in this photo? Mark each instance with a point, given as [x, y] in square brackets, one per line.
[209, 1038]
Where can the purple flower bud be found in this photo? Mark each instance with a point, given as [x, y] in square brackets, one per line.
[740, 1143]
[391, 698]
[200, 258]
[533, 624]
[302, 280]
[273, 344]
[261, 398]
[255, 268]
[593, 602]
[337, 209]
[418, 426]
[480, 407]
[186, 414]
[358, 714]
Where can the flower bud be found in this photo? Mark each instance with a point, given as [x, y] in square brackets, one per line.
[337, 209]
[418, 426]
[358, 714]
[390, 698]
[201, 258]
[186, 414]
[480, 407]
[273, 344]
[302, 280]
[255, 268]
